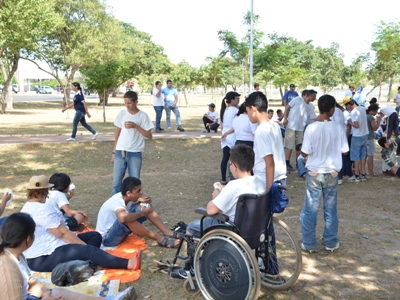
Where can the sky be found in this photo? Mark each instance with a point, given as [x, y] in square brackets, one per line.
[187, 29]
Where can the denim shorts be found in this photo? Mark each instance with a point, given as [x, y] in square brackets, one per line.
[358, 148]
[118, 232]
[371, 145]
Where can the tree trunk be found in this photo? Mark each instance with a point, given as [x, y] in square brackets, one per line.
[104, 106]
[390, 88]
[103, 97]
[114, 92]
[371, 90]
[184, 94]
[380, 92]
[8, 79]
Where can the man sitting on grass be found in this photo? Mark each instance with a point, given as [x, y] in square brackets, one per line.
[115, 222]
[225, 200]
[389, 160]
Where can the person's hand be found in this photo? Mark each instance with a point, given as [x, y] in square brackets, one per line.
[85, 217]
[130, 124]
[48, 295]
[64, 109]
[6, 197]
[70, 194]
[89, 116]
[173, 106]
[145, 199]
[146, 210]
[215, 193]
[223, 137]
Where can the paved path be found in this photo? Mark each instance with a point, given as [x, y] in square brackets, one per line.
[102, 137]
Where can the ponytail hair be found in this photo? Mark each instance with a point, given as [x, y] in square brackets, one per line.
[16, 229]
[223, 107]
[76, 84]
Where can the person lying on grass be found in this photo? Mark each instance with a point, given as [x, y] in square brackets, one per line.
[59, 197]
[115, 221]
[389, 160]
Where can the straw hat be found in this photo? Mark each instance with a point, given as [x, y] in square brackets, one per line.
[39, 182]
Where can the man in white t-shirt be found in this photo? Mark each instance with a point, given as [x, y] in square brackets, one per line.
[269, 162]
[133, 127]
[301, 114]
[351, 91]
[358, 147]
[225, 200]
[324, 142]
[211, 119]
[115, 222]
[158, 104]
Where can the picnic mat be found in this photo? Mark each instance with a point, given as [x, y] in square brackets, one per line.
[93, 287]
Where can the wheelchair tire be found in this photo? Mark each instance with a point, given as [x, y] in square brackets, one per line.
[286, 257]
[188, 290]
[225, 267]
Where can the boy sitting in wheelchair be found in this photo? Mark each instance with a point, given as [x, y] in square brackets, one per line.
[225, 200]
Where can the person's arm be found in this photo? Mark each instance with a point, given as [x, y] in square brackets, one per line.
[116, 137]
[176, 101]
[68, 106]
[159, 93]
[375, 123]
[285, 115]
[223, 137]
[72, 213]
[146, 133]
[269, 170]
[86, 109]
[63, 233]
[125, 217]
[212, 209]
[3, 203]
[355, 124]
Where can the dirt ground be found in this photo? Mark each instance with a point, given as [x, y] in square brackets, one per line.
[178, 174]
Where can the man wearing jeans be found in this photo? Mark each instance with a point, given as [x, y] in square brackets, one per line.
[324, 142]
[171, 102]
[133, 126]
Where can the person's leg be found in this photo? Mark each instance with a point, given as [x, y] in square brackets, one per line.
[309, 214]
[355, 153]
[46, 263]
[371, 145]
[214, 127]
[289, 144]
[194, 226]
[134, 163]
[177, 116]
[330, 188]
[168, 116]
[391, 124]
[116, 234]
[158, 110]
[78, 116]
[363, 153]
[86, 125]
[120, 166]
[301, 168]
[224, 162]
[91, 238]
[357, 167]
[205, 122]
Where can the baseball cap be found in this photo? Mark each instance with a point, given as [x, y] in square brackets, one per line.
[292, 85]
[212, 105]
[231, 95]
[346, 100]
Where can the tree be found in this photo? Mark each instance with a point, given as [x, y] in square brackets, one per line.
[183, 75]
[22, 25]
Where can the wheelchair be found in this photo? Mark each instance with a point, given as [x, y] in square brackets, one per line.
[233, 260]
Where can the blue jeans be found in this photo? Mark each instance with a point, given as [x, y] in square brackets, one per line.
[80, 117]
[118, 232]
[325, 186]
[301, 167]
[177, 115]
[158, 110]
[2, 220]
[132, 161]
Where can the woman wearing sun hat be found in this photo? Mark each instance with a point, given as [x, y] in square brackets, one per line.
[55, 244]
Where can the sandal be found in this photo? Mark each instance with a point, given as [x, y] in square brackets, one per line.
[178, 235]
[138, 257]
[168, 242]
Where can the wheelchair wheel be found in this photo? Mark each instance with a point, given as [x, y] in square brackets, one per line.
[285, 260]
[192, 292]
[225, 267]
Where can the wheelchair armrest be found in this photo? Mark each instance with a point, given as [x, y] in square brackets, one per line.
[219, 216]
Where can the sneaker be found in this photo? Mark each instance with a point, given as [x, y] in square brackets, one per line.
[159, 131]
[169, 128]
[304, 249]
[363, 177]
[70, 139]
[353, 179]
[340, 181]
[332, 249]
[180, 128]
[290, 168]
[128, 294]
[95, 135]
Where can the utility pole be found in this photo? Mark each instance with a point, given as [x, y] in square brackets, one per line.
[251, 45]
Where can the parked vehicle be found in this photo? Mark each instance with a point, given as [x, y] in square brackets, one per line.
[15, 88]
[40, 90]
[48, 89]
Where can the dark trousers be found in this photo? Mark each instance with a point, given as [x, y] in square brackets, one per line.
[346, 163]
[208, 121]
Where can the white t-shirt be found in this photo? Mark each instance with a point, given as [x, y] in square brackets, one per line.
[338, 117]
[397, 99]
[157, 101]
[244, 129]
[348, 93]
[229, 115]
[57, 199]
[226, 200]
[299, 113]
[267, 141]
[386, 109]
[324, 142]
[359, 114]
[107, 215]
[45, 217]
[130, 139]
[311, 113]
[214, 115]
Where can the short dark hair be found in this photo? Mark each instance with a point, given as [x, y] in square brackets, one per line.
[298, 147]
[279, 111]
[326, 103]
[157, 82]
[382, 141]
[310, 92]
[257, 99]
[131, 95]
[304, 92]
[60, 180]
[270, 111]
[169, 80]
[16, 228]
[372, 107]
[129, 184]
[243, 157]
[256, 85]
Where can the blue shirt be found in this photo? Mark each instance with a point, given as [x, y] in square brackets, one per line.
[289, 96]
[78, 99]
[169, 94]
